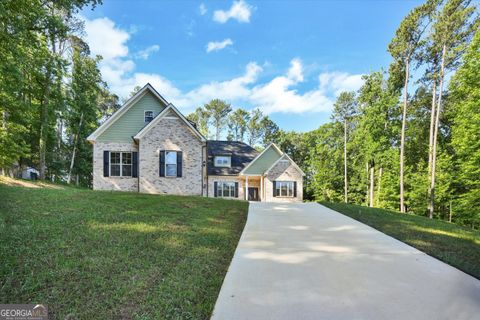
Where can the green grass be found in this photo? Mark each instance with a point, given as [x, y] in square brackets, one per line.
[453, 244]
[111, 255]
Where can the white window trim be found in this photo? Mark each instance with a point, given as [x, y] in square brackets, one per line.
[278, 187]
[225, 182]
[144, 115]
[229, 165]
[121, 164]
[176, 164]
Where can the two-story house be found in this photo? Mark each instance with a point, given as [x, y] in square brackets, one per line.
[148, 146]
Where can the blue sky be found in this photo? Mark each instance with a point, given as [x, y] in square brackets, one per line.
[289, 58]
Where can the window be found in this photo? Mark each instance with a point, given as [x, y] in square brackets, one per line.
[284, 188]
[223, 161]
[148, 116]
[120, 164]
[171, 164]
[226, 189]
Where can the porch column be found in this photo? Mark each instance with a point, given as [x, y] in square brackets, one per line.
[261, 188]
[246, 188]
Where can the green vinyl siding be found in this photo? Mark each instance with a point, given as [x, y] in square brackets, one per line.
[263, 162]
[132, 121]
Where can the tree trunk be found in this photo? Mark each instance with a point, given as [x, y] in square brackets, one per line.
[75, 141]
[432, 124]
[59, 133]
[4, 127]
[43, 127]
[367, 196]
[380, 173]
[372, 185]
[44, 116]
[450, 212]
[217, 127]
[431, 198]
[345, 160]
[402, 138]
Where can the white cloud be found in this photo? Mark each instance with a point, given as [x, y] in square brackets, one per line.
[337, 82]
[240, 11]
[105, 39]
[280, 94]
[202, 9]
[234, 89]
[218, 45]
[145, 53]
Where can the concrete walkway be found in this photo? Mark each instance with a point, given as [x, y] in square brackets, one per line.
[305, 261]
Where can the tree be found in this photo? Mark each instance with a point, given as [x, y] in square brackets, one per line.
[403, 49]
[343, 109]
[451, 32]
[254, 126]
[325, 163]
[218, 111]
[270, 131]
[237, 124]
[83, 111]
[376, 133]
[464, 99]
[201, 118]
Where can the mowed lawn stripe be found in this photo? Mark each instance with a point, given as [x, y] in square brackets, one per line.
[456, 245]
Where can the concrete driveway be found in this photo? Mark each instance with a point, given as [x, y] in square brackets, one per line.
[305, 261]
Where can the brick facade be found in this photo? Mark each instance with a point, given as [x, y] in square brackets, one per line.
[241, 185]
[171, 134]
[283, 171]
[111, 183]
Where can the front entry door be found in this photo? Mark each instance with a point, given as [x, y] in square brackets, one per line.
[252, 194]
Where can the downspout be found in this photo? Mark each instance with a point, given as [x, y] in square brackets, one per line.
[204, 165]
[138, 164]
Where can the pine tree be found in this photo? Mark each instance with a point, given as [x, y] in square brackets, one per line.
[343, 110]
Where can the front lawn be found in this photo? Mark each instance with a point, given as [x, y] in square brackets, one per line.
[455, 245]
[111, 255]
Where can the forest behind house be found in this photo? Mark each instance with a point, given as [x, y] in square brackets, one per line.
[408, 139]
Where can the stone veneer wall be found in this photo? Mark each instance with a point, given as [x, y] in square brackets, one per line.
[283, 171]
[111, 183]
[172, 134]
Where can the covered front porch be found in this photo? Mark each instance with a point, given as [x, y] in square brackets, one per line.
[254, 187]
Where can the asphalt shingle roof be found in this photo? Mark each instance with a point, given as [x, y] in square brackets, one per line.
[241, 155]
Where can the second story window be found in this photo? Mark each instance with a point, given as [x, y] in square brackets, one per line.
[223, 161]
[148, 116]
[171, 164]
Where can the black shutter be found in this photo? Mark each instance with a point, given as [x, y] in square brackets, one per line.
[134, 164]
[236, 189]
[106, 163]
[295, 189]
[215, 188]
[179, 163]
[274, 188]
[162, 163]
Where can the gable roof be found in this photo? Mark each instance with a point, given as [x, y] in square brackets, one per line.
[241, 155]
[162, 114]
[285, 157]
[120, 112]
[263, 161]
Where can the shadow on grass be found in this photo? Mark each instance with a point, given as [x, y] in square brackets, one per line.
[90, 254]
[455, 245]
